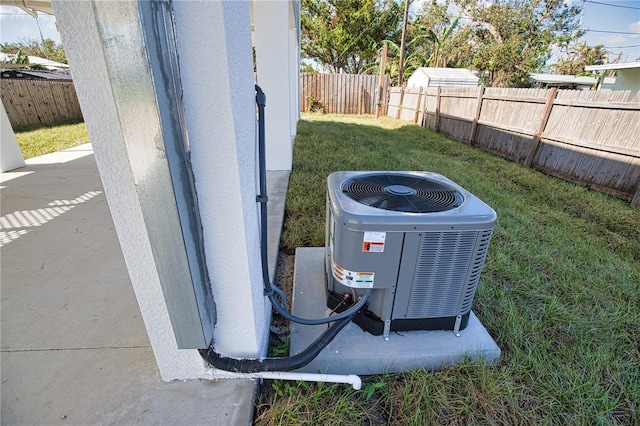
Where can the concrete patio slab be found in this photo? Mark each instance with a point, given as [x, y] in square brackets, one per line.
[355, 351]
[74, 348]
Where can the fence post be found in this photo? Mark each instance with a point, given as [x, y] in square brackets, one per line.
[399, 111]
[474, 126]
[385, 95]
[437, 125]
[415, 115]
[424, 108]
[543, 123]
[381, 82]
[635, 202]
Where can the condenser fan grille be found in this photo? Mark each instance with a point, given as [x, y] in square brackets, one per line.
[402, 193]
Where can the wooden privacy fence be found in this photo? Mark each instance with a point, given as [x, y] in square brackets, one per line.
[39, 101]
[588, 137]
[341, 93]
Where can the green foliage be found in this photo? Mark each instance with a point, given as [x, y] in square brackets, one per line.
[314, 105]
[346, 34]
[371, 387]
[505, 40]
[47, 49]
[514, 37]
[286, 388]
[280, 350]
[576, 57]
[412, 62]
[44, 139]
[559, 290]
[18, 58]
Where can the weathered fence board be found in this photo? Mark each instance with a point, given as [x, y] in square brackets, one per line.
[591, 138]
[341, 93]
[39, 101]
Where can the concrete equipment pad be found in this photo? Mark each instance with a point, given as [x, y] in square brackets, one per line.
[355, 351]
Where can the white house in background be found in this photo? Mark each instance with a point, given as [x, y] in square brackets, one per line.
[627, 77]
[582, 82]
[442, 77]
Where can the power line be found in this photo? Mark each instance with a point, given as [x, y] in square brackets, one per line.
[622, 47]
[612, 5]
[610, 32]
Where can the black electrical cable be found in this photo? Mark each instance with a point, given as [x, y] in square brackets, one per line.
[275, 364]
[341, 320]
[262, 199]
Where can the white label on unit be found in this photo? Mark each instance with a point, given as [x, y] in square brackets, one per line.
[373, 242]
[351, 278]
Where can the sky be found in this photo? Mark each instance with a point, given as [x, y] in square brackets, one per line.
[612, 23]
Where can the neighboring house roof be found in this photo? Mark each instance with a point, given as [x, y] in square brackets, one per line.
[33, 60]
[627, 75]
[434, 77]
[569, 80]
[619, 66]
[36, 75]
[32, 7]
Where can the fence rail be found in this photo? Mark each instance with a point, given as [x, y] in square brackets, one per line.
[39, 101]
[591, 138]
[341, 93]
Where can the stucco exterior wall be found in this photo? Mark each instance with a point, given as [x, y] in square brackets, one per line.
[216, 71]
[219, 100]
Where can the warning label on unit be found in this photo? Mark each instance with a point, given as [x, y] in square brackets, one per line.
[352, 278]
[373, 242]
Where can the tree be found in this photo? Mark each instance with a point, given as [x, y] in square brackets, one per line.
[346, 34]
[47, 49]
[439, 38]
[512, 38]
[412, 61]
[435, 39]
[576, 57]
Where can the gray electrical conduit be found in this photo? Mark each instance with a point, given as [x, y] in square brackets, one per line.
[268, 367]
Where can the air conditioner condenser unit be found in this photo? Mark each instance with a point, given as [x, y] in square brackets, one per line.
[417, 239]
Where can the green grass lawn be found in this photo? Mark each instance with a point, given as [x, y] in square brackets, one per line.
[44, 139]
[560, 291]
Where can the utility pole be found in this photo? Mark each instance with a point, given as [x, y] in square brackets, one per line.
[383, 65]
[404, 34]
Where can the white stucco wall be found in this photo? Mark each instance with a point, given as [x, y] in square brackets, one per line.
[219, 100]
[275, 35]
[216, 71]
[83, 45]
[10, 155]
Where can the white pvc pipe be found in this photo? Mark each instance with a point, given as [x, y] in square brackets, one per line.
[351, 379]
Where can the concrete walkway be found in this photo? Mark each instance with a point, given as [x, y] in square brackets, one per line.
[74, 346]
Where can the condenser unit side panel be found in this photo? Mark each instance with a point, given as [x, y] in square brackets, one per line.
[361, 252]
[441, 272]
[406, 274]
[475, 267]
